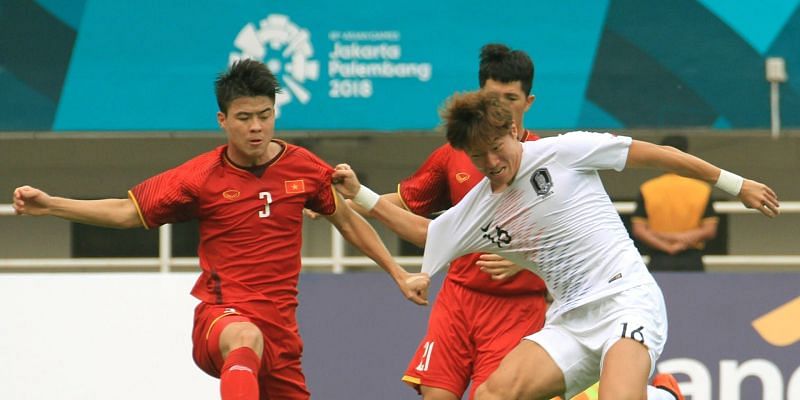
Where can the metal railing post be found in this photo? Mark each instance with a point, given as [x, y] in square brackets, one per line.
[165, 247]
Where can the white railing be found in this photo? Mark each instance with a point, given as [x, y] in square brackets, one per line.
[338, 261]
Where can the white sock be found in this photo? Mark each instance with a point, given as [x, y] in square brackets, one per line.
[654, 393]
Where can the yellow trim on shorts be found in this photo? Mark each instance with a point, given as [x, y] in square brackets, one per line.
[214, 322]
[411, 380]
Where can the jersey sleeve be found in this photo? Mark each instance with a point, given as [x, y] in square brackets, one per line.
[168, 197]
[439, 251]
[427, 190]
[593, 151]
[322, 200]
[452, 234]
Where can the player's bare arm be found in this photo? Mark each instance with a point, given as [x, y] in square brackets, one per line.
[752, 194]
[358, 232]
[392, 198]
[407, 225]
[111, 213]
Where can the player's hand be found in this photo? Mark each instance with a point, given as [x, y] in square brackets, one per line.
[498, 267]
[345, 181]
[415, 287]
[310, 214]
[30, 201]
[760, 197]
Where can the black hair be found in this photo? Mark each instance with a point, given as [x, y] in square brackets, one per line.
[500, 63]
[245, 78]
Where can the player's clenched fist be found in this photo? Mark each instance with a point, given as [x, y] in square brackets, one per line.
[416, 287]
[30, 201]
[345, 181]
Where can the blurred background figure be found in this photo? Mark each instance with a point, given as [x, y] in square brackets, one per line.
[674, 217]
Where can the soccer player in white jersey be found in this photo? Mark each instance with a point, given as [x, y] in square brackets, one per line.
[542, 205]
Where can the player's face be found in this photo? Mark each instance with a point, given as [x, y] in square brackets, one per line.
[514, 97]
[250, 126]
[499, 160]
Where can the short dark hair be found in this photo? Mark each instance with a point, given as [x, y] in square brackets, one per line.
[500, 63]
[679, 142]
[475, 118]
[245, 78]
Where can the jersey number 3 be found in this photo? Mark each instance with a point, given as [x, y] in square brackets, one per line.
[265, 213]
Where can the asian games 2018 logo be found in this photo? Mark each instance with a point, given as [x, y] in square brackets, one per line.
[286, 49]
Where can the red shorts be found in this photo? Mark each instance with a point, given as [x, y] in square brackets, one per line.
[469, 333]
[280, 376]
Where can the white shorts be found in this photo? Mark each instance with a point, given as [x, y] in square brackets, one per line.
[579, 339]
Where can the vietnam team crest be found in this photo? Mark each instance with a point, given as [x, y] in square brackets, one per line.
[542, 182]
[286, 49]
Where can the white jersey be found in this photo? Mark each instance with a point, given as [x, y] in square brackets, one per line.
[555, 219]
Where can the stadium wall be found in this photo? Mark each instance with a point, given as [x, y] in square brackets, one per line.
[84, 166]
[128, 336]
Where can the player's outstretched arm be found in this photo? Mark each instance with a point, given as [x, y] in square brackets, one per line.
[752, 194]
[407, 225]
[360, 234]
[112, 213]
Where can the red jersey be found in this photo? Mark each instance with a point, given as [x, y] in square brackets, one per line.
[250, 226]
[439, 183]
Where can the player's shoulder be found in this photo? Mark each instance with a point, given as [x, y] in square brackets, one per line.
[299, 156]
[205, 161]
[444, 151]
[297, 152]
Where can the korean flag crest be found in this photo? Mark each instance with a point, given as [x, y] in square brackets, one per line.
[542, 182]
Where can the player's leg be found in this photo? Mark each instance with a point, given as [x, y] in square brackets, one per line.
[625, 370]
[241, 346]
[498, 324]
[237, 367]
[442, 364]
[626, 367]
[637, 334]
[527, 372]
[434, 393]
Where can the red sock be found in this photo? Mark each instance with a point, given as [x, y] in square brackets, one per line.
[239, 378]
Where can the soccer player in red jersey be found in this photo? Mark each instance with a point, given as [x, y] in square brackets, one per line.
[482, 312]
[475, 320]
[248, 196]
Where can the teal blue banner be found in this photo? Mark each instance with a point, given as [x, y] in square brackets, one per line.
[378, 66]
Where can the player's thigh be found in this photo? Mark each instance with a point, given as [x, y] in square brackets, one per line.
[434, 393]
[626, 367]
[527, 372]
[209, 323]
[499, 327]
[236, 334]
[444, 357]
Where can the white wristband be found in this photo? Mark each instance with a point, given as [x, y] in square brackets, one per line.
[729, 182]
[366, 198]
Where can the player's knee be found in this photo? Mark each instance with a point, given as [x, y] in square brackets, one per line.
[246, 335]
